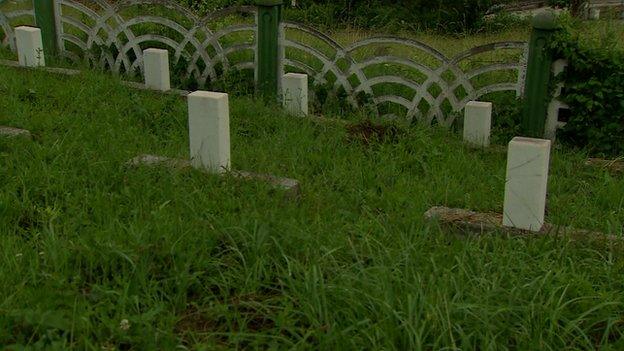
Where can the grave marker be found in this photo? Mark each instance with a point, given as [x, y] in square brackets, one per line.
[478, 123]
[29, 46]
[209, 139]
[526, 185]
[156, 67]
[295, 93]
[209, 131]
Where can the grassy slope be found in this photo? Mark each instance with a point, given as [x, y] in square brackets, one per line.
[447, 44]
[197, 260]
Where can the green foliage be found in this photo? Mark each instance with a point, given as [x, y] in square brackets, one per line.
[451, 16]
[507, 114]
[594, 89]
[446, 15]
[504, 21]
[234, 82]
[100, 256]
[332, 101]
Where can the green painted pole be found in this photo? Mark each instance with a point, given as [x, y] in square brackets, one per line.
[45, 20]
[539, 68]
[269, 19]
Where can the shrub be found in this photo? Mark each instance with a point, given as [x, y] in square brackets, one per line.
[454, 16]
[447, 15]
[594, 89]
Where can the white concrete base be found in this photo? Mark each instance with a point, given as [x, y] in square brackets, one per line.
[29, 46]
[552, 115]
[478, 123]
[295, 93]
[209, 131]
[552, 119]
[156, 67]
[527, 182]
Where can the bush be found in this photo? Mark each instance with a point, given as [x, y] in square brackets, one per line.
[455, 16]
[446, 15]
[594, 90]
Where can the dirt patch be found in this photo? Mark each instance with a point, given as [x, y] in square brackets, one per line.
[615, 166]
[368, 133]
[194, 320]
[250, 312]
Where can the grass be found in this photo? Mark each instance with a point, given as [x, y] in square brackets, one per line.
[98, 256]
[449, 45]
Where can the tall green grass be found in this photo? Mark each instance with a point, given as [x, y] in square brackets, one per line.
[193, 261]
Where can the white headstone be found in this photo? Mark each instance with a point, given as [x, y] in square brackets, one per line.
[594, 13]
[29, 46]
[527, 182]
[478, 123]
[156, 66]
[295, 93]
[209, 131]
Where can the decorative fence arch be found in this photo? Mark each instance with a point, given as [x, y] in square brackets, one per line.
[453, 86]
[120, 33]
[399, 77]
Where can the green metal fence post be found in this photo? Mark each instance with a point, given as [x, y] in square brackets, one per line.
[46, 21]
[269, 20]
[536, 88]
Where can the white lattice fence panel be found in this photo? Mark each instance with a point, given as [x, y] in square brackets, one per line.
[418, 79]
[115, 35]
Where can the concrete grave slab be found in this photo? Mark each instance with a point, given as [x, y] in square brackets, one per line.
[476, 223]
[10, 132]
[64, 71]
[141, 86]
[291, 186]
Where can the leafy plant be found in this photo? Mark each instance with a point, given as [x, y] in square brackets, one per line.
[456, 16]
[594, 90]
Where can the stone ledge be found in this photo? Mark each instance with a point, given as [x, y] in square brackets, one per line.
[291, 186]
[481, 223]
[141, 86]
[10, 132]
[65, 71]
[492, 149]
[611, 165]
